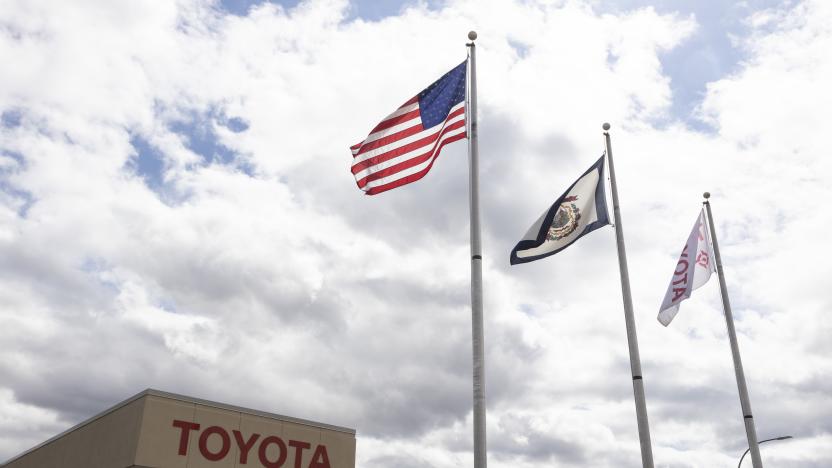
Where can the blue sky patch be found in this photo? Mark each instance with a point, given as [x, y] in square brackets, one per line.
[149, 162]
[198, 133]
[11, 118]
[236, 124]
[708, 55]
[9, 189]
[28, 201]
[373, 10]
[368, 10]
[200, 138]
[25, 197]
[241, 7]
[528, 310]
[14, 155]
[97, 268]
[166, 304]
[522, 50]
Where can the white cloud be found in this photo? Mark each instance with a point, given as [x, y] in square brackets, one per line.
[268, 280]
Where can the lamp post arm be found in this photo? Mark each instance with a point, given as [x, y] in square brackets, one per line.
[739, 465]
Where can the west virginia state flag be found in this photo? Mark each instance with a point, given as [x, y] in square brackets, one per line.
[579, 211]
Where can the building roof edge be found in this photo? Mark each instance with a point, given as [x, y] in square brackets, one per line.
[187, 399]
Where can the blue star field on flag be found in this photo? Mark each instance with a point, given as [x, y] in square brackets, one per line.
[436, 101]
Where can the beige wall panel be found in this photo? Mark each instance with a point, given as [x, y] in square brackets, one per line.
[49, 455]
[301, 433]
[206, 417]
[341, 448]
[76, 455]
[58, 448]
[250, 424]
[159, 440]
[106, 442]
[112, 439]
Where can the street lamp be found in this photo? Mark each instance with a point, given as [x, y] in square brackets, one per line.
[758, 443]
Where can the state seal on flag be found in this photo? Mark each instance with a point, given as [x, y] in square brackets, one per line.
[566, 219]
[580, 210]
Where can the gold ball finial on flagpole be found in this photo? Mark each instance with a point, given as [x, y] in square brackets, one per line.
[606, 126]
[472, 35]
[707, 195]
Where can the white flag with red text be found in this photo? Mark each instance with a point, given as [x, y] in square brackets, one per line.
[692, 271]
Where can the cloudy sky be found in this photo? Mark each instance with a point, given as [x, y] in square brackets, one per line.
[177, 212]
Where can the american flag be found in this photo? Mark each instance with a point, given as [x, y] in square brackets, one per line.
[402, 148]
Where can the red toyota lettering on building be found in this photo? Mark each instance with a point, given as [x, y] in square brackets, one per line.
[320, 458]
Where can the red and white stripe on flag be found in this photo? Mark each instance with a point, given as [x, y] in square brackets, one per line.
[402, 148]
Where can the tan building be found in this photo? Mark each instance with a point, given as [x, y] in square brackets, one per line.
[162, 430]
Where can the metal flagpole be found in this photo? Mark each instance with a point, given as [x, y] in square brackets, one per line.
[476, 264]
[750, 431]
[632, 339]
